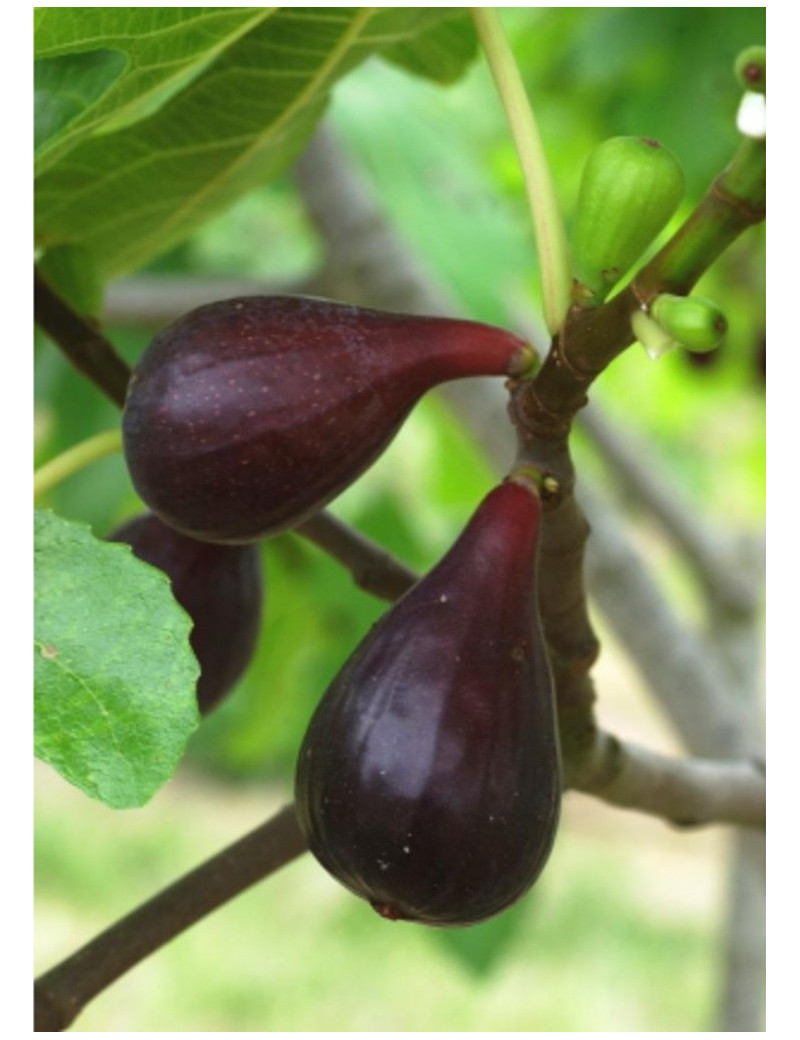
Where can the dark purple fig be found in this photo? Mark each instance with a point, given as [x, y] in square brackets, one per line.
[219, 586]
[246, 416]
[429, 779]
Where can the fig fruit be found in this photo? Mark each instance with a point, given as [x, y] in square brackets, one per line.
[630, 187]
[219, 586]
[428, 781]
[246, 416]
[696, 323]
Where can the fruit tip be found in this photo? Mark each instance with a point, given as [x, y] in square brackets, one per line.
[388, 911]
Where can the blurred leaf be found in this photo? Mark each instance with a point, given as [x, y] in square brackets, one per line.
[130, 194]
[115, 677]
[481, 948]
[442, 53]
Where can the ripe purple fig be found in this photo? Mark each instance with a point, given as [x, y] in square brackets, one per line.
[219, 586]
[246, 416]
[429, 779]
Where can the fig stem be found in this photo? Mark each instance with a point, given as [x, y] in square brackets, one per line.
[62, 993]
[551, 239]
[74, 459]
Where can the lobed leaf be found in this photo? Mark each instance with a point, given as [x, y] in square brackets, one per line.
[134, 191]
[115, 677]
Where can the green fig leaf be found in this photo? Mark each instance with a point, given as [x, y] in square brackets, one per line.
[102, 67]
[249, 105]
[66, 86]
[442, 53]
[115, 677]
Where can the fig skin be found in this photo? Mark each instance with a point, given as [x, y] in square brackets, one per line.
[429, 780]
[246, 416]
[219, 586]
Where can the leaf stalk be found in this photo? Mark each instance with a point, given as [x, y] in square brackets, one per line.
[551, 239]
[74, 459]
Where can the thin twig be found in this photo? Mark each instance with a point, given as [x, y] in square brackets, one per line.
[82, 343]
[61, 993]
[73, 459]
[372, 568]
[551, 239]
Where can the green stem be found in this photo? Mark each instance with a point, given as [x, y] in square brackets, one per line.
[735, 201]
[551, 239]
[75, 459]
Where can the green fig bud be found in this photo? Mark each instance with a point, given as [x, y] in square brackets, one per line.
[750, 68]
[653, 337]
[629, 189]
[696, 323]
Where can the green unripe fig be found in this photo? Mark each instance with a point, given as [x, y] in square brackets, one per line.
[750, 68]
[629, 189]
[696, 323]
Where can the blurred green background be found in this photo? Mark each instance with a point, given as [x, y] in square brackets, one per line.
[622, 932]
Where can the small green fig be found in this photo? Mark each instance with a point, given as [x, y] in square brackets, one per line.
[750, 68]
[696, 323]
[629, 189]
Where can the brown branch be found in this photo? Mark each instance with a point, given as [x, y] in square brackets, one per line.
[372, 568]
[61, 993]
[82, 343]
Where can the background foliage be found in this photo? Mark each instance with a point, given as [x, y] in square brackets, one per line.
[109, 188]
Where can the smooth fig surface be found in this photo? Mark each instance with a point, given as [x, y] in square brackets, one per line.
[246, 416]
[219, 586]
[429, 778]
